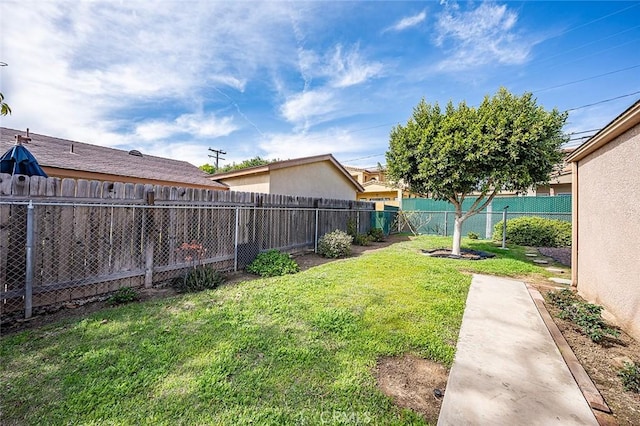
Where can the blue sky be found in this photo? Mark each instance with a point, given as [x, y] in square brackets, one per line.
[291, 79]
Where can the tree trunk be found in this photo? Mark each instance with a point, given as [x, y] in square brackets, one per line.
[457, 235]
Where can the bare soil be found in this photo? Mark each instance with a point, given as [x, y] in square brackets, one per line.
[603, 362]
[414, 383]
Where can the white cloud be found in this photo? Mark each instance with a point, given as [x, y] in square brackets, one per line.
[304, 107]
[480, 36]
[88, 70]
[408, 22]
[199, 125]
[286, 146]
[349, 68]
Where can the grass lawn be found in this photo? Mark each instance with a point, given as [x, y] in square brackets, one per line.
[299, 349]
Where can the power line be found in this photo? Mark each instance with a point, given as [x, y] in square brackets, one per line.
[584, 131]
[588, 78]
[564, 52]
[595, 20]
[364, 158]
[605, 100]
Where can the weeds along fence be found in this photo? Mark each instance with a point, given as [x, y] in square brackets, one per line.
[55, 250]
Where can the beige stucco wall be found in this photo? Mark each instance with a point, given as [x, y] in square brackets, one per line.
[319, 179]
[608, 229]
[251, 183]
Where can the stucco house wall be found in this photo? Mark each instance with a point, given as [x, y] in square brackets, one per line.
[320, 176]
[250, 183]
[606, 222]
[303, 181]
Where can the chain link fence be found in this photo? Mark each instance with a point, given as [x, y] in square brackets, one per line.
[442, 222]
[54, 253]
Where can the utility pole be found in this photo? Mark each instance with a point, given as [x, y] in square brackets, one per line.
[218, 152]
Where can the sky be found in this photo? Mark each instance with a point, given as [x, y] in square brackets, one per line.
[284, 80]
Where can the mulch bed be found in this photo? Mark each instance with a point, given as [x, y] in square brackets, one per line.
[465, 254]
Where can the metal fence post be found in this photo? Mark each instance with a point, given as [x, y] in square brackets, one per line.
[235, 243]
[504, 227]
[488, 229]
[28, 283]
[446, 220]
[315, 248]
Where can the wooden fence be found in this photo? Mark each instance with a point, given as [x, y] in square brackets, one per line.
[62, 240]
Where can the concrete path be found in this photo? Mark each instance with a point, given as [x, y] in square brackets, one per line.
[507, 369]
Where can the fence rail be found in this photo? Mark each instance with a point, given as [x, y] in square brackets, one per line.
[52, 253]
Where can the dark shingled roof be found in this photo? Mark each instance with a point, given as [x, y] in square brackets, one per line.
[56, 153]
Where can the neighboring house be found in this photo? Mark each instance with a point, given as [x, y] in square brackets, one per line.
[606, 219]
[377, 188]
[321, 176]
[560, 183]
[71, 159]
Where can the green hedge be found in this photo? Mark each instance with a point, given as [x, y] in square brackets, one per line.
[535, 231]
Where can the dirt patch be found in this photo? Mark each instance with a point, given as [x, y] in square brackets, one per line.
[602, 363]
[414, 383]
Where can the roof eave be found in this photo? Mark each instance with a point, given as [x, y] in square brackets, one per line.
[622, 123]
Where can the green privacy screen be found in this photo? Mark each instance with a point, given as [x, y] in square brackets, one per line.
[437, 217]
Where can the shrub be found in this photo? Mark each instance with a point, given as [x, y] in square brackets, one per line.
[630, 375]
[362, 240]
[376, 234]
[586, 316]
[335, 244]
[197, 279]
[273, 263]
[473, 235]
[123, 295]
[535, 231]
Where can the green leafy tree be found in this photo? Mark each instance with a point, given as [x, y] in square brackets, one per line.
[4, 108]
[507, 143]
[252, 162]
[209, 168]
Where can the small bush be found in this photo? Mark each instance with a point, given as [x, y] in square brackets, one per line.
[473, 235]
[123, 295]
[273, 263]
[630, 375]
[198, 279]
[362, 240]
[587, 316]
[335, 244]
[535, 232]
[376, 234]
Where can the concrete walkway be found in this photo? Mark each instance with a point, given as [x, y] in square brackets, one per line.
[507, 369]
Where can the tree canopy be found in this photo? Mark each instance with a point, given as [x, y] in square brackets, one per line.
[251, 162]
[508, 142]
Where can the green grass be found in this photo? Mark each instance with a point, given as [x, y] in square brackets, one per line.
[298, 349]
